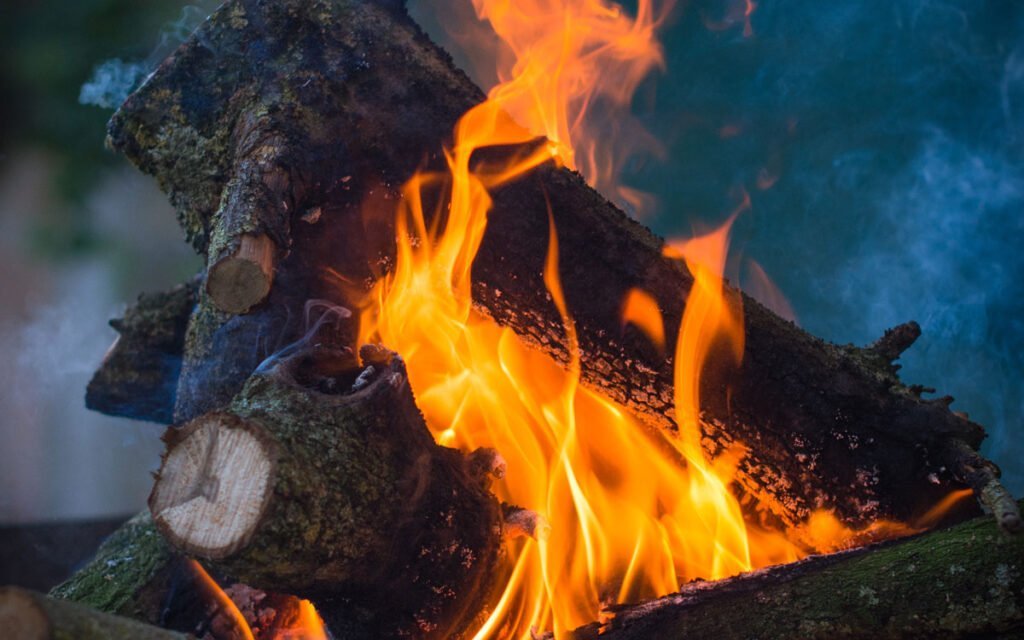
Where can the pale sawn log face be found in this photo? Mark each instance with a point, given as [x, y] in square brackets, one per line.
[321, 479]
[359, 98]
[215, 483]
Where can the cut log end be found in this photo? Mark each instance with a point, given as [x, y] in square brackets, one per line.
[214, 485]
[240, 281]
[21, 617]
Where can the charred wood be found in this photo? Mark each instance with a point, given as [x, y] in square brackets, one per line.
[963, 582]
[139, 375]
[358, 97]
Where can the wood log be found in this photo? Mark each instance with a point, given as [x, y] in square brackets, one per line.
[368, 99]
[322, 479]
[27, 615]
[130, 575]
[963, 582]
[240, 280]
[139, 374]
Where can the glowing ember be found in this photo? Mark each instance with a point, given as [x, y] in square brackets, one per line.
[632, 513]
[298, 621]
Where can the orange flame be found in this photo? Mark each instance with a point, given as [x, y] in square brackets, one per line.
[632, 513]
[573, 68]
[640, 309]
[303, 623]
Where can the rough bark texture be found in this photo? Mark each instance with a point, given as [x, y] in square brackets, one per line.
[963, 582]
[359, 500]
[361, 97]
[27, 615]
[130, 575]
[139, 375]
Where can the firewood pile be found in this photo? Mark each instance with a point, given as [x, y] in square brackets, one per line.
[298, 464]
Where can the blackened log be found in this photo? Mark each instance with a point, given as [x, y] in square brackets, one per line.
[323, 479]
[963, 582]
[139, 375]
[28, 615]
[368, 98]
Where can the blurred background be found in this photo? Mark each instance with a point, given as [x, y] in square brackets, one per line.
[880, 142]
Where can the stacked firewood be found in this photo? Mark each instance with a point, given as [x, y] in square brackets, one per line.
[282, 131]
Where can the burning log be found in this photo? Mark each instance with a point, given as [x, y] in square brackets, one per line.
[139, 375]
[322, 478]
[32, 616]
[963, 582]
[366, 96]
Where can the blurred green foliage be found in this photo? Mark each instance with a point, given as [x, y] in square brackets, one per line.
[48, 49]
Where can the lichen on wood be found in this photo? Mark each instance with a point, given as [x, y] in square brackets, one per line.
[129, 574]
[321, 479]
[139, 375]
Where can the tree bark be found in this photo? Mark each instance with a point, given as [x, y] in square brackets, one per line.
[963, 582]
[139, 375]
[359, 98]
[28, 615]
[322, 478]
[130, 575]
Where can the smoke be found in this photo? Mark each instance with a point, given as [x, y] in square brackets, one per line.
[948, 254]
[111, 83]
[66, 462]
[113, 80]
[882, 144]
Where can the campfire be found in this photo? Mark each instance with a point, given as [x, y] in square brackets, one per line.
[433, 384]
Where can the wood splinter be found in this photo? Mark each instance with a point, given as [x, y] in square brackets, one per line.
[317, 485]
[240, 281]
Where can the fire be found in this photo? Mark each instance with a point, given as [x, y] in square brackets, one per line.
[570, 71]
[299, 621]
[632, 513]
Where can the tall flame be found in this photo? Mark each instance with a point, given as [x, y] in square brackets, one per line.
[632, 513]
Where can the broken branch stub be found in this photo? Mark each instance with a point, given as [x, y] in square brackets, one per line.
[322, 478]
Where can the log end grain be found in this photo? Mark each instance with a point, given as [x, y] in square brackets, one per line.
[240, 281]
[214, 485]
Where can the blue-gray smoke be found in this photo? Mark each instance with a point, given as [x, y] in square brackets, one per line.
[112, 80]
[896, 131]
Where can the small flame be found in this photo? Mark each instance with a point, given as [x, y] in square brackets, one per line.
[225, 604]
[300, 622]
[641, 310]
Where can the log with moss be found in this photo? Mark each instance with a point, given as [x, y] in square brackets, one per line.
[321, 479]
[130, 575]
[27, 615]
[349, 97]
[139, 374]
[963, 582]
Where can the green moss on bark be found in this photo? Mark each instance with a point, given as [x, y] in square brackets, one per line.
[127, 576]
[963, 582]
